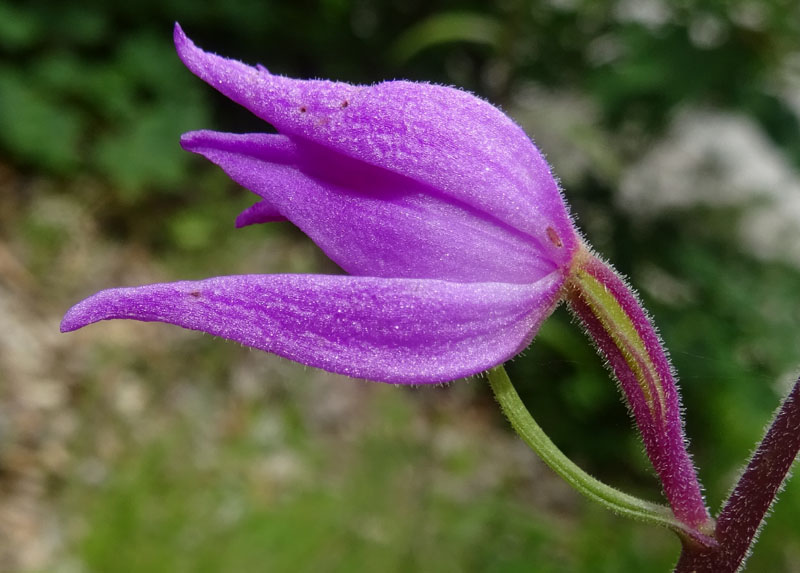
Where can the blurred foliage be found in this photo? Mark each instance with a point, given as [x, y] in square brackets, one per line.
[92, 91]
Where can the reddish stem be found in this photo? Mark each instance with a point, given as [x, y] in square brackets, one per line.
[624, 334]
[757, 489]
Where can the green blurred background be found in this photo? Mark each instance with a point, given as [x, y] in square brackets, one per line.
[673, 126]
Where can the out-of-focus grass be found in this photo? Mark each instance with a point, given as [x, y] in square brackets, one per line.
[393, 497]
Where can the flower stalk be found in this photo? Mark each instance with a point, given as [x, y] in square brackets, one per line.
[612, 499]
[624, 335]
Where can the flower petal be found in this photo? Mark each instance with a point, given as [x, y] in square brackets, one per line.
[261, 212]
[390, 330]
[369, 220]
[445, 138]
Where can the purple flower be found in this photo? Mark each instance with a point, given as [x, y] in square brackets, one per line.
[440, 208]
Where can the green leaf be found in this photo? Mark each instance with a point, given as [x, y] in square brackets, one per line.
[446, 28]
[19, 28]
[146, 152]
[36, 128]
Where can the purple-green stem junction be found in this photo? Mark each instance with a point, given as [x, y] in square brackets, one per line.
[623, 334]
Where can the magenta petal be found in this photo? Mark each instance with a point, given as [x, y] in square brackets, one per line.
[445, 138]
[369, 220]
[261, 212]
[390, 330]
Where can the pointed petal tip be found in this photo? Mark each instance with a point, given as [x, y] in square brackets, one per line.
[243, 219]
[73, 320]
[179, 37]
[192, 139]
[224, 74]
[65, 326]
[203, 140]
[261, 212]
[101, 305]
[184, 46]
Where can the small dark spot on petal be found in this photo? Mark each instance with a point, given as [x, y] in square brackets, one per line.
[553, 236]
[345, 103]
[195, 293]
[302, 109]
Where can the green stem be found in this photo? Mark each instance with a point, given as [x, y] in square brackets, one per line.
[610, 498]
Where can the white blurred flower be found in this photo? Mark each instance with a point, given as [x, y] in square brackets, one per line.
[721, 160]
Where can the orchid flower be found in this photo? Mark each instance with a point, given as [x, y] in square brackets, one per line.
[454, 235]
[446, 217]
